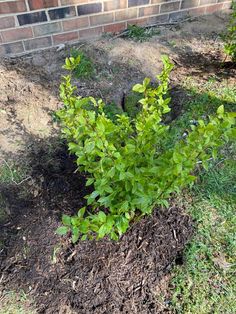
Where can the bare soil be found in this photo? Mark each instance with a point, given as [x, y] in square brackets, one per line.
[129, 276]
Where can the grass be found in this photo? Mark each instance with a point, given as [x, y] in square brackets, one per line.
[10, 173]
[206, 283]
[15, 303]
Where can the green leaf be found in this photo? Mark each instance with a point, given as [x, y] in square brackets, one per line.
[146, 82]
[75, 235]
[139, 88]
[103, 230]
[84, 226]
[89, 181]
[220, 110]
[66, 220]
[122, 225]
[111, 172]
[114, 236]
[214, 153]
[81, 212]
[62, 230]
[74, 221]
[102, 216]
[84, 237]
[92, 197]
[122, 175]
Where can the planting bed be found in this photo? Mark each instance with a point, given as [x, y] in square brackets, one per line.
[97, 276]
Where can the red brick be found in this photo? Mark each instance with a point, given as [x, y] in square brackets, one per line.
[202, 2]
[155, 9]
[197, 11]
[12, 6]
[178, 15]
[115, 28]
[61, 13]
[126, 14]
[41, 4]
[13, 48]
[214, 8]
[31, 18]
[17, 34]
[7, 22]
[38, 43]
[91, 8]
[189, 4]
[115, 5]
[135, 3]
[90, 32]
[101, 19]
[139, 22]
[170, 6]
[63, 38]
[46, 29]
[164, 18]
[77, 23]
[66, 2]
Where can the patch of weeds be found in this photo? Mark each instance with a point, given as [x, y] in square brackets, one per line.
[85, 68]
[141, 34]
[10, 173]
[15, 303]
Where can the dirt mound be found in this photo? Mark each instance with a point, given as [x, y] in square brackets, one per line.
[90, 277]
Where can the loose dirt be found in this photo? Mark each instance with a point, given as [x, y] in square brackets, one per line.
[130, 276]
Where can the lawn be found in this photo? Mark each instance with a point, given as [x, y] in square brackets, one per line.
[206, 283]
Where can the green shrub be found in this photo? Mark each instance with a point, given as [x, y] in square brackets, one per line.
[230, 36]
[83, 69]
[126, 159]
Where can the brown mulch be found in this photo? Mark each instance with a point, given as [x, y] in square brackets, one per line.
[91, 276]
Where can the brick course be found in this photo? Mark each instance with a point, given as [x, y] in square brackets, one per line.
[28, 25]
[41, 4]
[12, 6]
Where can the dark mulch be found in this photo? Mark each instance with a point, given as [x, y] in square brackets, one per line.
[90, 277]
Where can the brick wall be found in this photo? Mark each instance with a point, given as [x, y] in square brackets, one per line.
[27, 25]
